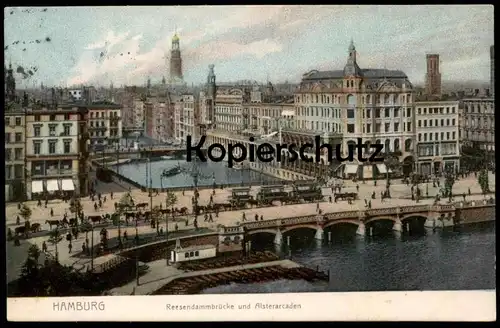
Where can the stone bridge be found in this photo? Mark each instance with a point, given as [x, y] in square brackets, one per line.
[434, 216]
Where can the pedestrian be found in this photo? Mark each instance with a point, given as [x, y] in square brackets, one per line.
[357, 188]
[469, 192]
[176, 227]
[330, 198]
[262, 218]
[243, 217]
[51, 212]
[44, 247]
[111, 195]
[256, 217]
[18, 220]
[70, 246]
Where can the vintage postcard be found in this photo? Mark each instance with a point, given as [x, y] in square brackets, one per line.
[250, 163]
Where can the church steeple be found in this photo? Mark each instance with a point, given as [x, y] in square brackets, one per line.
[10, 81]
[351, 68]
[175, 60]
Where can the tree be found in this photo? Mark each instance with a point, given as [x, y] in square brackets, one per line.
[155, 217]
[391, 163]
[76, 207]
[483, 181]
[25, 212]
[449, 181]
[171, 199]
[55, 238]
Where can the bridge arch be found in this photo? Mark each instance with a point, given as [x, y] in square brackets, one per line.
[301, 226]
[332, 223]
[407, 216]
[379, 218]
[269, 231]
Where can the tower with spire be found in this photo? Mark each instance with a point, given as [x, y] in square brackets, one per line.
[351, 68]
[10, 84]
[175, 61]
[211, 94]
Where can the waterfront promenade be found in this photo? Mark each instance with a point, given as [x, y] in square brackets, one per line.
[400, 193]
[159, 275]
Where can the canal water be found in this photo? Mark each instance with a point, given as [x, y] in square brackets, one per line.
[210, 172]
[443, 260]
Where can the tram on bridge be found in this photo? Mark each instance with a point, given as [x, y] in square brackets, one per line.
[272, 193]
[240, 196]
[307, 190]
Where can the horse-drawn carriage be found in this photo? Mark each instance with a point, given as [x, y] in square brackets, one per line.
[309, 191]
[268, 194]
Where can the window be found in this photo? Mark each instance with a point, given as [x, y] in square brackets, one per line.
[67, 129]
[425, 123]
[196, 253]
[430, 122]
[447, 136]
[442, 135]
[37, 146]
[66, 117]
[350, 113]
[8, 154]
[18, 154]
[408, 112]
[368, 128]
[18, 171]
[18, 121]
[52, 146]
[186, 255]
[7, 121]
[396, 127]
[419, 137]
[368, 113]
[454, 135]
[377, 127]
[448, 122]
[387, 127]
[453, 110]
[387, 112]
[442, 122]
[425, 136]
[419, 111]
[52, 130]
[453, 122]
[67, 146]
[425, 111]
[350, 128]
[377, 113]
[191, 254]
[19, 137]
[436, 136]
[37, 131]
[419, 123]
[8, 171]
[7, 138]
[37, 118]
[408, 126]
[396, 112]
[430, 136]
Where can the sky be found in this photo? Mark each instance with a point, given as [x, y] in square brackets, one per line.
[67, 46]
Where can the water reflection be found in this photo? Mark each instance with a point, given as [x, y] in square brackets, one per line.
[210, 172]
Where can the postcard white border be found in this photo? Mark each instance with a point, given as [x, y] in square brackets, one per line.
[354, 306]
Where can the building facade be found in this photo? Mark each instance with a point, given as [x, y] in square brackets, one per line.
[105, 123]
[373, 104]
[159, 118]
[56, 151]
[433, 76]
[15, 139]
[492, 69]
[438, 139]
[479, 124]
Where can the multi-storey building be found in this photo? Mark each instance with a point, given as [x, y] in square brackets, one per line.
[105, 125]
[56, 150]
[373, 104]
[479, 124]
[492, 69]
[186, 114]
[179, 119]
[14, 153]
[159, 118]
[438, 143]
[228, 109]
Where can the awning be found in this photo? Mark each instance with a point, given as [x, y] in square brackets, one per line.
[382, 168]
[288, 113]
[52, 185]
[67, 185]
[36, 186]
[351, 168]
